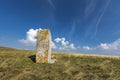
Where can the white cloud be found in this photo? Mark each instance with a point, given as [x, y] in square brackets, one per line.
[104, 46]
[57, 40]
[87, 48]
[62, 41]
[61, 48]
[111, 46]
[72, 46]
[30, 39]
[53, 45]
[64, 44]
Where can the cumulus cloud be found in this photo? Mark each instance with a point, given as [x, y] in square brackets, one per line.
[57, 40]
[111, 46]
[72, 46]
[30, 39]
[104, 46]
[87, 48]
[53, 45]
[62, 41]
[61, 44]
[64, 44]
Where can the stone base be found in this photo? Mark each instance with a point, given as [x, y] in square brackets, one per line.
[41, 60]
[44, 60]
[52, 61]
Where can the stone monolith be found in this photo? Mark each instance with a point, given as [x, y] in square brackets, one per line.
[43, 54]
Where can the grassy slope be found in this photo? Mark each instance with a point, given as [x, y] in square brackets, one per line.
[17, 65]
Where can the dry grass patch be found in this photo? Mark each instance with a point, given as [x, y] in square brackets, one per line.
[18, 65]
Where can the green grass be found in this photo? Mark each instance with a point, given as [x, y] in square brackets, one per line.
[19, 65]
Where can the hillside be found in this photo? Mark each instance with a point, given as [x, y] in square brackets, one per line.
[20, 65]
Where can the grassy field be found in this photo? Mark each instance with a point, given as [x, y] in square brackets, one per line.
[20, 65]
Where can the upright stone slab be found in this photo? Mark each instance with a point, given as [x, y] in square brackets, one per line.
[43, 46]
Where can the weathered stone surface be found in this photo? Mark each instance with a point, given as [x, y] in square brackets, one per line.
[43, 54]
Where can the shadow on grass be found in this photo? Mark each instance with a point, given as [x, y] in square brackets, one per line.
[33, 58]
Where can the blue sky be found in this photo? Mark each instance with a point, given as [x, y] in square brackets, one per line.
[82, 26]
